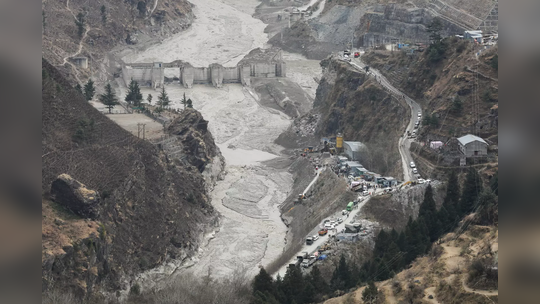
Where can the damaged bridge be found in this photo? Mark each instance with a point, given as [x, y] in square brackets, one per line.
[259, 63]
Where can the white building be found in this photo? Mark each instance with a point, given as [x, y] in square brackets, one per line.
[471, 145]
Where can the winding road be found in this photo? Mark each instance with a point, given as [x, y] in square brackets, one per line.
[404, 142]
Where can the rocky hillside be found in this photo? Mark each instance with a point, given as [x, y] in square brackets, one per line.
[120, 206]
[77, 28]
[376, 22]
[350, 103]
[453, 89]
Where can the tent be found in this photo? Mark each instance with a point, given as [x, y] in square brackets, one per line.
[322, 257]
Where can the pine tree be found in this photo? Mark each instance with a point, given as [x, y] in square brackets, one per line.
[89, 90]
[471, 191]
[392, 258]
[78, 88]
[149, 99]
[186, 102]
[163, 99]
[494, 183]
[190, 103]
[318, 281]
[103, 14]
[134, 95]
[344, 274]
[263, 282]
[488, 206]
[109, 97]
[370, 294]
[452, 189]
[381, 243]
[293, 284]
[434, 29]
[401, 242]
[428, 212]
[80, 22]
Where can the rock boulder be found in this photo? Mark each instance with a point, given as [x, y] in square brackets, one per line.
[76, 197]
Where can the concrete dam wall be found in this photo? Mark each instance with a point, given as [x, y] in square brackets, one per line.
[259, 63]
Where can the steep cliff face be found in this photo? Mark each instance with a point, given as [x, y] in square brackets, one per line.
[355, 105]
[151, 208]
[197, 145]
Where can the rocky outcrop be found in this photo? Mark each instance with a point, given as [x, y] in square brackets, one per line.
[198, 146]
[73, 195]
[198, 143]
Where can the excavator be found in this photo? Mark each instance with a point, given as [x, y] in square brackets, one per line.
[405, 184]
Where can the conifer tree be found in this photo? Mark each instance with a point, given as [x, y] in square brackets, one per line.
[494, 183]
[263, 282]
[78, 88]
[392, 258]
[108, 98]
[370, 294]
[163, 99]
[89, 90]
[382, 241]
[80, 21]
[471, 190]
[133, 95]
[149, 99]
[318, 281]
[428, 212]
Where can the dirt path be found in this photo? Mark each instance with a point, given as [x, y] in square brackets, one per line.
[79, 50]
[480, 292]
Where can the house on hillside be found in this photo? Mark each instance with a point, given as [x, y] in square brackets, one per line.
[474, 36]
[353, 149]
[471, 145]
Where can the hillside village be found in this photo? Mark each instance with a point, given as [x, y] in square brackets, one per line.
[245, 151]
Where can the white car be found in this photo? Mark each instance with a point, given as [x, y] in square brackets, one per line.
[413, 165]
[414, 170]
[315, 237]
[340, 220]
[421, 181]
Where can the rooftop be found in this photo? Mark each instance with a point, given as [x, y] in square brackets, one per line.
[470, 138]
[355, 145]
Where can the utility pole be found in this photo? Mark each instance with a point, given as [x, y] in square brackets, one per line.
[141, 128]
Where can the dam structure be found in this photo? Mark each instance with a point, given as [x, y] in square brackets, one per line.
[259, 63]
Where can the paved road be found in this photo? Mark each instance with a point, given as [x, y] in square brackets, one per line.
[323, 239]
[404, 142]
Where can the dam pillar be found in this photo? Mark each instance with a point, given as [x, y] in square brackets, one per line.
[158, 75]
[216, 74]
[186, 74]
[245, 75]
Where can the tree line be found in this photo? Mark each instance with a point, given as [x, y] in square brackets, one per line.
[393, 250]
[133, 97]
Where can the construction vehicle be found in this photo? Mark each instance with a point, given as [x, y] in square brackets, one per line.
[332, 151]
[308, 149]
[323, 231]
[324, 248]
[301, 196]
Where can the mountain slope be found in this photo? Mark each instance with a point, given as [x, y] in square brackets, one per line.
[151, 210]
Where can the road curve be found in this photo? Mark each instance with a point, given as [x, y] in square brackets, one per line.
[404, 142]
